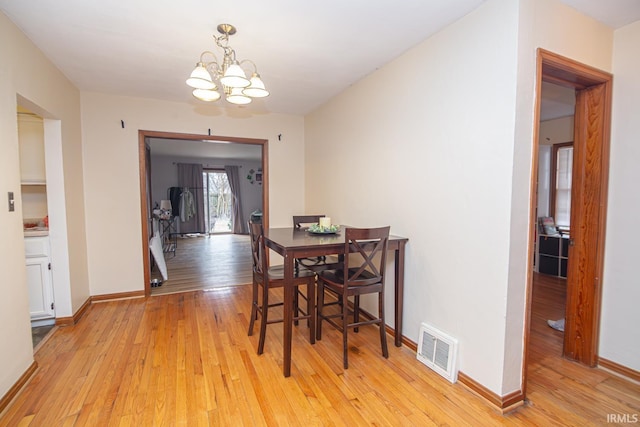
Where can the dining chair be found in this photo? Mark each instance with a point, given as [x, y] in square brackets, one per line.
[315, 264]
[300, 220]
[266, 278]
[363, 273]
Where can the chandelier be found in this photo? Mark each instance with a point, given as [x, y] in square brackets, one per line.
[235, 86]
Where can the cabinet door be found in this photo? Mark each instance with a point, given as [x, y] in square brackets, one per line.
[549, 245]
[548, 265]
[31, 145]
[40, 288]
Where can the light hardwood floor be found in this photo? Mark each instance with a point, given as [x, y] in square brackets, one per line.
[186, 359]
[207, 262]
[578, 395]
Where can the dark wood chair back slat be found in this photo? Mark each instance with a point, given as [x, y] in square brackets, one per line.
[256, 233]
[361, 268]
[299, 220]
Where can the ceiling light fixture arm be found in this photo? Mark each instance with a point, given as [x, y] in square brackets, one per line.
[255, 67]
[213, 66]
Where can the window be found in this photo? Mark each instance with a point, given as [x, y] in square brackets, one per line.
[561, 173]
[218, 198]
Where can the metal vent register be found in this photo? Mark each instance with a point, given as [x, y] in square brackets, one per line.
[438, 351]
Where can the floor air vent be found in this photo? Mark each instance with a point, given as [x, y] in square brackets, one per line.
[438, 351]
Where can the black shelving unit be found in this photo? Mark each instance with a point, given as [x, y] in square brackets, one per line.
[552, 255]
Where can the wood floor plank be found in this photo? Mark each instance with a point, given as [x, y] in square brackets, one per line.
[186, 359]
[206, 262]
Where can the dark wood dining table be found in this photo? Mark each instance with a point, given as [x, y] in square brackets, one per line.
[294, 243]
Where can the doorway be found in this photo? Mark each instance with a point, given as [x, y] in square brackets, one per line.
[218, 201]
[592, 120]
[145, 172]
[53, 181]
[553, 226]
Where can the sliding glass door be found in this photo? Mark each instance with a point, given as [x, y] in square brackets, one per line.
[218, 200]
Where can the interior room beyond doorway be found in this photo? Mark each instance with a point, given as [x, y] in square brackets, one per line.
[207, 263]
[221, 183]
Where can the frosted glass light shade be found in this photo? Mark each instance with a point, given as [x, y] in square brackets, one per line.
[256, 89]
[234, 77]
[206, 95]
[200, 78]
[236, 97]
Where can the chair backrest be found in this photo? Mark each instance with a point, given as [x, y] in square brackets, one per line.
[256, 233]
[299, 220]
[367, 249]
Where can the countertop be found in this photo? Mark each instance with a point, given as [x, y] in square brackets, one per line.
[36, 231]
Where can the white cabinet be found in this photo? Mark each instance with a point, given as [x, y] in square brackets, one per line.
[39, 281]
[31, 145]
[32, 166]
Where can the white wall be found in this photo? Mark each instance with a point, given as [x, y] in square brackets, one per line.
[26, 74]
[561, 29]
[112, 173]
[619, 333]
[425, 144]
[447, 161]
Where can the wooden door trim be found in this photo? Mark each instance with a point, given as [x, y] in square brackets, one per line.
[584, 290]
[553, 68]
[143, 135]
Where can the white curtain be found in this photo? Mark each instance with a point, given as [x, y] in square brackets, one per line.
[564, 171]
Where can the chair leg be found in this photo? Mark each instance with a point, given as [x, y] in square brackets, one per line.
[383, 332]
[356, 311]
[263, 320]
[296, 295]
[311, 300]
[295, 307]
[345, 328]
[311, 322]
[254, 307]
[319, 308]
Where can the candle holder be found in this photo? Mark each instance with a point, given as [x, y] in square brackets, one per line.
[325, 222]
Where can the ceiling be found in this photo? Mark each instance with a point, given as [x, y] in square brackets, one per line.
[306, 51]
[557, 101]
[205, 149]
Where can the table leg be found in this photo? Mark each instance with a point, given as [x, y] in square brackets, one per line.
[399, 296]
[289, 291]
